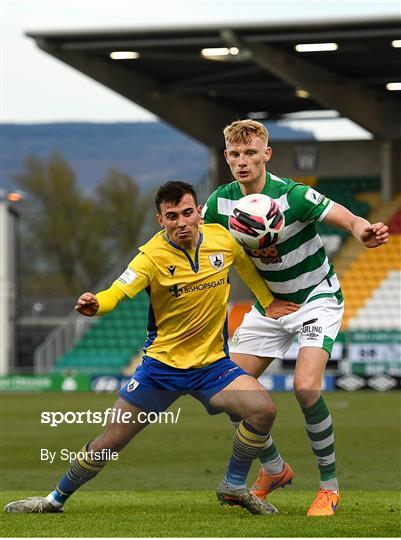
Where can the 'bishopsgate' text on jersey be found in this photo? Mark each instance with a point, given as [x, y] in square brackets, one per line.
[178, 291]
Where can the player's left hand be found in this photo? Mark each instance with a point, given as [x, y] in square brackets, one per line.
[278, 308]
[374, 235]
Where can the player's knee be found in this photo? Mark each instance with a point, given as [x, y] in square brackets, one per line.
[262, 414]
[306, 392]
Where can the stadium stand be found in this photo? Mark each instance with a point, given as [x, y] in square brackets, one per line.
[346, 191]
[371, 285]
[395, 223]
[382, 310]
[112, 342]
[355, 193]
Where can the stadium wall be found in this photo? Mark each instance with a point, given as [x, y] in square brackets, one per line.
[327, 158]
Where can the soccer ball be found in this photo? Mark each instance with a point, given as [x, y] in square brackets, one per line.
[256, 222]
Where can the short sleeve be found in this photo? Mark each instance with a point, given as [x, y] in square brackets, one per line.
[308, 204]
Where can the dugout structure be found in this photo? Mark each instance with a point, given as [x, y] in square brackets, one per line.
[201, 78]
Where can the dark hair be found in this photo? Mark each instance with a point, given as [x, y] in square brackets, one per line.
[173, 192]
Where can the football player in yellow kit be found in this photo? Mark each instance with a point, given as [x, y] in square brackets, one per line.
[184, 269]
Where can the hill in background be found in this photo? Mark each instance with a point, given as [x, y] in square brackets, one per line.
[150, 152]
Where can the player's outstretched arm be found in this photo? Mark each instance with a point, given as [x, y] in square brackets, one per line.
[87, 304]
[103, 302]
[369, 234]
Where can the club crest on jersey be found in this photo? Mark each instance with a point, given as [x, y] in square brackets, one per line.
[217, 260]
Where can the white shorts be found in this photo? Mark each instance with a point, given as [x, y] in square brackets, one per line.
[316, 324]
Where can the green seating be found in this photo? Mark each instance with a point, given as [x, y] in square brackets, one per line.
[112, 342]
[344, 191]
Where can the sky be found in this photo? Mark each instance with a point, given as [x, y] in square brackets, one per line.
[38, 88]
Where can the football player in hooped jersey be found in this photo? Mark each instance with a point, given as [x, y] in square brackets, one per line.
[297, 270]
[185, 271]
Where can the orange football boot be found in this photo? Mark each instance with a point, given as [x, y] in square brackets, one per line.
[266, 483]
[325, 503]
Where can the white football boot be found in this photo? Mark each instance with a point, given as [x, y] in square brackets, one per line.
[32, 505]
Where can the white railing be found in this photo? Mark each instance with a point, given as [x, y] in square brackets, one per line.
[64, 337]
[59, 341]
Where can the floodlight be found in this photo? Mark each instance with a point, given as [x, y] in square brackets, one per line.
[316, 47]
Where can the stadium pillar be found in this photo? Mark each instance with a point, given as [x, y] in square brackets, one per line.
[8, 285]
[390, 169]
[218, 171]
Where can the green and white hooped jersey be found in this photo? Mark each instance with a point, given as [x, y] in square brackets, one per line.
[296, 268]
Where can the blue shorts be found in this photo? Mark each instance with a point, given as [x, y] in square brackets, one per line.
[155, 386]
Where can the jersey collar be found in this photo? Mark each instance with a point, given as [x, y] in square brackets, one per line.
[267, 182]
[264, 189]
[194, 264]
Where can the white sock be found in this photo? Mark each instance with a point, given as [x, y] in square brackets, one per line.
[53, 501]
[329, 485]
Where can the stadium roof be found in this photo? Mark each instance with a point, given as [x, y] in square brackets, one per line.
[260, 74]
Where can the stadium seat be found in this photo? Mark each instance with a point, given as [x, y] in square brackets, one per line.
[111, 343]
[346, 191]
[375, 305]
[395, 223]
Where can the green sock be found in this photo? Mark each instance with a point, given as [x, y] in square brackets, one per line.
[319, 428]
[270, 459]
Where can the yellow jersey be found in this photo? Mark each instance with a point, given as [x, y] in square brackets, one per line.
[188, 291]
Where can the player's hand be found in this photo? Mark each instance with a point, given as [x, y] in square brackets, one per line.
[87, 304]
[278, 308]
[374, 235]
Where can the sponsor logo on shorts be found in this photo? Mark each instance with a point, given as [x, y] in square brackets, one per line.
[132, 385]
[311, 330]
[227, 372]
[177, 291]
[217, 260]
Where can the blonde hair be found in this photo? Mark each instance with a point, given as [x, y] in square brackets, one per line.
[242, 131]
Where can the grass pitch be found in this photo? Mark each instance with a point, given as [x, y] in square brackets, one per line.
[164, 482]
